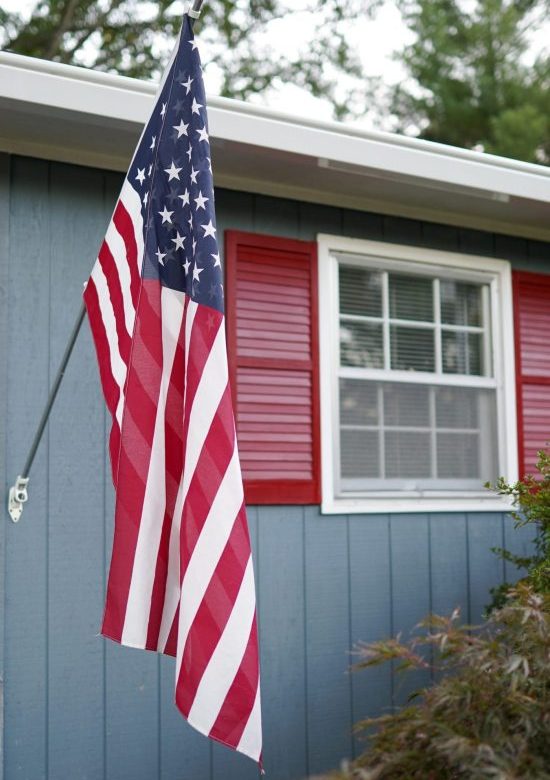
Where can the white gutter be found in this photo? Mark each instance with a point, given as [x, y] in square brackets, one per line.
[336, 145]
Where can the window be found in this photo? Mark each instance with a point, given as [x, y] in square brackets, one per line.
[417, 401]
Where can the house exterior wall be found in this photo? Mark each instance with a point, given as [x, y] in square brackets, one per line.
[77, 706]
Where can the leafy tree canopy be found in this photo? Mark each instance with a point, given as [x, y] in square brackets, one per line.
[134, 38]
[472, 80]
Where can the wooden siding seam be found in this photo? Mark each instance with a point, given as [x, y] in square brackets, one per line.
[350, 637]
[430, 588]
[392, 602]
[5, 190]
[48, 477]
[306, 686]
[468, 573]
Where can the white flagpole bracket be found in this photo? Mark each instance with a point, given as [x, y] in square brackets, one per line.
[17, 497]
[194, 9]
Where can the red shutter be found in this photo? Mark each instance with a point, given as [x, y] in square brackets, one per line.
[532, 334]
[271, 302]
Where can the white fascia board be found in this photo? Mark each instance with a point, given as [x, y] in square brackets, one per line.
[78, 90]
[109, 99]
[330, 142]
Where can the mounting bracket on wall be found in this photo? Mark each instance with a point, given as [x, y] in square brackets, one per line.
[17, 497]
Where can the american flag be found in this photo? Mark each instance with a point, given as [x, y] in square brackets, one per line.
[181, 580]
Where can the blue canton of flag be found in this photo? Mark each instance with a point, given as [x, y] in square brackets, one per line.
[172, 171]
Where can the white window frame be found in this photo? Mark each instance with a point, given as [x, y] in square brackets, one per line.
[498, 275]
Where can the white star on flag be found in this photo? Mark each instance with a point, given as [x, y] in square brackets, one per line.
[200, 201]
[187, 85]
[166, 215]
[203, 135]
[209, 230]
[178, 240]
[173, 172]
[184, 197]
[160, 256]
[181, 128]
[141, 175]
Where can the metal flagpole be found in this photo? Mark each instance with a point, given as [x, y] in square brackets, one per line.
[18, 494]
[194, 10]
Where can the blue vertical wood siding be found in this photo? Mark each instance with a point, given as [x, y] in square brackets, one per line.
[79, 707]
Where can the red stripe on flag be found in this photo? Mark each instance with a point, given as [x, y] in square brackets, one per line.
[238, 704]
[214, 459]
[110, 272]
[205, 329]
[171, 647]
[125, 226]
[111, 390]
[138, 425]
[174, 467]
[213, 613]
[206, 324]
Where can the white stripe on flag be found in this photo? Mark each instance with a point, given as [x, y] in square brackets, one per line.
[118, 367]
[117, 247]
[207, 399]
[226, 658]
[136, 621]
[173, 567]
[209, 548]
[251, 740]
[132, 203]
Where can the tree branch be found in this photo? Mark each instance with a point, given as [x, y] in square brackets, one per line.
[64, 25]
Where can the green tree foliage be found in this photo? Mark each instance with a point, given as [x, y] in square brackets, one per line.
[470, 79]
[531, 496]
[133, 37]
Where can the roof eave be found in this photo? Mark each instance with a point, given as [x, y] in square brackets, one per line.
[48, 109]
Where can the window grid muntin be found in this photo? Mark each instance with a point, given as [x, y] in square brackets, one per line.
[433, 429]
[437, 326]
[439, 377]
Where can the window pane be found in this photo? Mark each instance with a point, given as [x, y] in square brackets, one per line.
[429, 436]
[360, 291]
[411, 298]
[359, 454]
[462, 353]
[458, 407]
[460, 303]
[361, 345]
[412, 348]
[407, 454]
[358, 402]
[458, 456]
[406, 405]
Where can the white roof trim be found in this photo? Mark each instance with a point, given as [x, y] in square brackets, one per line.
[111, 101]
